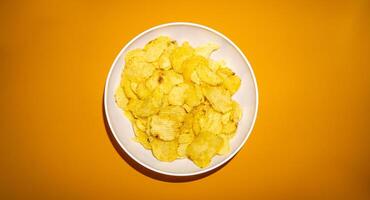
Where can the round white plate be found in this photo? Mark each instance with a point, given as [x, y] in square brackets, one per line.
[195, 34]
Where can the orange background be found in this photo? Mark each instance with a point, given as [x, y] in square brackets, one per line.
[311, 60]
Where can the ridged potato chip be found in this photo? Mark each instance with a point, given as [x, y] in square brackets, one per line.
[164, 127]
[179, 55]
[164, 150]
[179, 100]
[219, 98]
[203, 148]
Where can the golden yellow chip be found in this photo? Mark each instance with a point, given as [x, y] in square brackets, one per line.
[211, 122]
[156, 47]
[179, 55]
[219, 98]
[176, 113]
[164, 60]
[121, 98]
[137, 69]
[225, 148]
[179, 100]
[164, 150]
[203, 148]
[178, 94]
[134, 53]
[164, 127]
[206, 50]
[181, 150]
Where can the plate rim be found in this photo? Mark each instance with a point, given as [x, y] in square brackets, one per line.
[201, 171]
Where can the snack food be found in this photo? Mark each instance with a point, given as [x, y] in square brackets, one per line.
[179, 101]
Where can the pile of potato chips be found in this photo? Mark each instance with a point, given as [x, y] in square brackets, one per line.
[179, 100]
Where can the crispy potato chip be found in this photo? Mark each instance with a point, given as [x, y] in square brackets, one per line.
[206, 50]
[219, 98]
[141, 124]
[142, 91]
[178, 94]
[164, 61]
[164, 127]
[138, 69]
[226, 118]
[194, 96]
[203, 148]
[176, 113]
[168, 80]
[142, 138]
[237, 112]
[121, 98]
[187, 126]
[173, 77]
[181, 150]
[211, 122]
[224, 72]
[207, 75]
[189, 67]
[156, 47]
[186, 138]
[164, 150]
[229, 128]
[126, 86]
[215, 65]
[147, 107]
[232, 83]
[179, 55]
[134, 53]
[154, 80]
[179, 101]
[225, 148]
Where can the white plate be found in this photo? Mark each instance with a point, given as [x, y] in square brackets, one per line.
[247, 96]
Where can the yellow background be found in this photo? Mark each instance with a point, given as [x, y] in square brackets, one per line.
[311, 138]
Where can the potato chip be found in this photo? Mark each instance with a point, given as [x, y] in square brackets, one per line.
[126, 86]
[134, 53]
[206, 50]
[219, 98]
[154, 80]
[142, 138]
[181, 150]
[178, 94]
[224, 72]
[189, 67]
[156, 47]
[176, 113]
[168, 80]
[211, 122]
[215, 65]
[186, 138]
[164, 150]
[141, 124]
[237, 112]
[225, 148]
[147, 107]
[164, 61]
[142, 91]
[194, 96]
[229, 128]
[179, 55]
[164, 127]
[121, 98]
[179, 100]
[203, 148]
[207, 75]
[138, 69]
